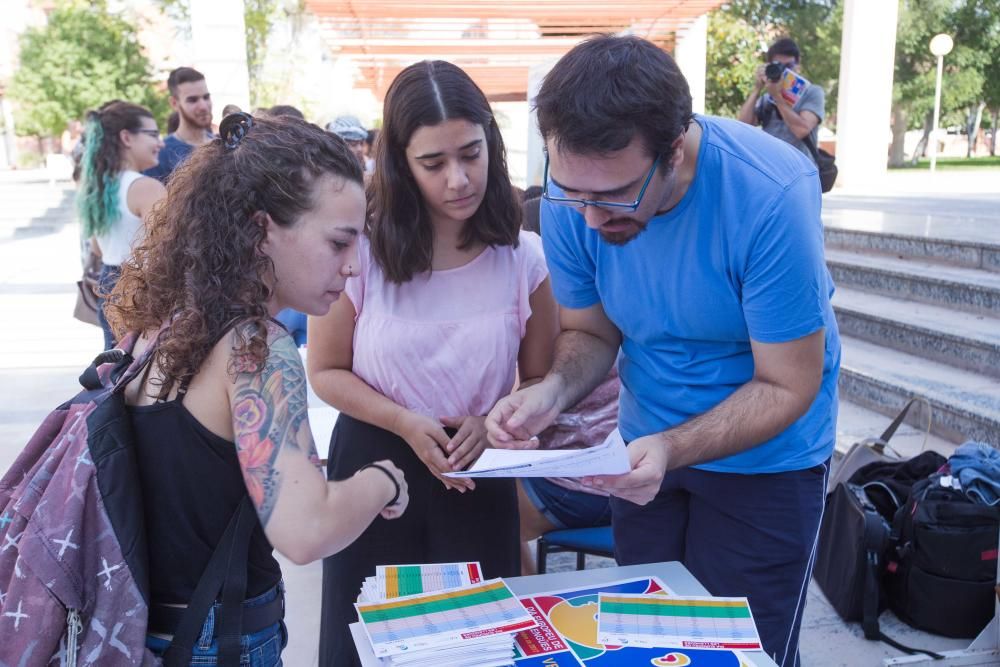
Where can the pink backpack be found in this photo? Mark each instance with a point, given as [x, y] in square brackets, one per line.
[73, 554]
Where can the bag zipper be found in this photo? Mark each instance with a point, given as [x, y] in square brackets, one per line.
[73, 629]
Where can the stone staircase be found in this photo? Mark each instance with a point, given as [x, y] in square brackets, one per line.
[918, 307]
[34, 208]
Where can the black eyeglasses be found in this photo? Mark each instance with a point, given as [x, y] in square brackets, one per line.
[149, 133]
[582, 203]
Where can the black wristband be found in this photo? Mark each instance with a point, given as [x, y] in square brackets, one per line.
[379, 466]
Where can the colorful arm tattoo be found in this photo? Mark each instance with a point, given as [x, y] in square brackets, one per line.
[269, 414]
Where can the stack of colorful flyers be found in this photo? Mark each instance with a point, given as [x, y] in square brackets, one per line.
[468, 626]
[393, 581]
[713, 623]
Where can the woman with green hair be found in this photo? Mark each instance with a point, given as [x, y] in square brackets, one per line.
[121, 140]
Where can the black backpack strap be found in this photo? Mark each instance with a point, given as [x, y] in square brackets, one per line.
[873, 560]
[891, 430]
[909, 650]
[226, 571]
[808, 141]
[870, 600]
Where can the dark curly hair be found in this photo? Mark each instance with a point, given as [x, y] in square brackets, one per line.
[607, 90]
[402, 237]
[200, 268]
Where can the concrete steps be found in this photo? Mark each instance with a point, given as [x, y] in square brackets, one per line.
[35, 209]
[964, 340]
[919, 315]
[972, 290]
[965, 405]
[970, 254]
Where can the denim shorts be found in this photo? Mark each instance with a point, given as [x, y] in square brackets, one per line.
[259, 649]
[566, 508]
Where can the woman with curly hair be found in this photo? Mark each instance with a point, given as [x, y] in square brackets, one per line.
[264, 217]
[451, 302]
[120, 141]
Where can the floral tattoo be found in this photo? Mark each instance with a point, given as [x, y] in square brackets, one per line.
[269, 414]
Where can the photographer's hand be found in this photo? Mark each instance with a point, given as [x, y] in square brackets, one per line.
[759, 80]
[774, 90]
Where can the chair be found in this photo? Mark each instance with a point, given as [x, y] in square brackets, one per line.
[594, 541]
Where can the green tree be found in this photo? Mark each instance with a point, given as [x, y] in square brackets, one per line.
[259, 17]
[83, 57]
[916, 68]
[733, 55]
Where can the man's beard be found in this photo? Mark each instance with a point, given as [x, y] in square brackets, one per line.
[193, 121]
[621, 238]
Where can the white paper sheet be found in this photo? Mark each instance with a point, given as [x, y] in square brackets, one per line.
[608, 458]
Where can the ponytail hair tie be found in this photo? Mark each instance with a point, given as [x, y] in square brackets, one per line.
[234, 127]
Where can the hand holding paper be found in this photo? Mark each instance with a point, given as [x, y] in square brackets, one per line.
[608, 458]
[647, 462]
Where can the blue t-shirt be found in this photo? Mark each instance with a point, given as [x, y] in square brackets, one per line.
[739, 257]
[174, 152]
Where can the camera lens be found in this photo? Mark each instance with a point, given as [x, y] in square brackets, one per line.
[774, 71]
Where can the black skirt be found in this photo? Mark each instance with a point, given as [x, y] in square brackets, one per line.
[439, 526]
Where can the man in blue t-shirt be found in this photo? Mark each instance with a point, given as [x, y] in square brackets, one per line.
[190, 98]
[690, 248]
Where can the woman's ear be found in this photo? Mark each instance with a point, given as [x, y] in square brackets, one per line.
[267, 225]
[125, 138]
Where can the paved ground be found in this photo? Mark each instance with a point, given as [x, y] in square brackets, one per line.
[42, 350]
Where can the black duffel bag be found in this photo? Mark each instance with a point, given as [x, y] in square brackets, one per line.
[855, 539]
[941, 573]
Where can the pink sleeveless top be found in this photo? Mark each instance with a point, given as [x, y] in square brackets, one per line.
[445, 343]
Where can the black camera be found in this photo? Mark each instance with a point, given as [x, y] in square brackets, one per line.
[774, 71]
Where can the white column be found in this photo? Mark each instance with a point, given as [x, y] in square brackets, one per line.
[514, 120]
[219, 43]
[691, 54]
[535, 156]
[867, 55]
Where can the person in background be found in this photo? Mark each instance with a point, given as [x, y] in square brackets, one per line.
[285, 110]
[350, 129]
[230, 109]
[173, 122]
[121, 140]
[220, 413]
[792, 123]
[532, 192]
[450, 305]
[70, 137]
[370, 150]
[190, 98]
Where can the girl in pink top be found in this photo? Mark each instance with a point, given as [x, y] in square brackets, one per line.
[450, 305]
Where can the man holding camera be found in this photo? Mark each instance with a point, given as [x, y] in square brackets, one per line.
[793, 123]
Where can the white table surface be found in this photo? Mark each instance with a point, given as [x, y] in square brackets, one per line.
[673, 574]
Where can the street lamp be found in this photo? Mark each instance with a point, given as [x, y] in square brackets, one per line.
[941, 45]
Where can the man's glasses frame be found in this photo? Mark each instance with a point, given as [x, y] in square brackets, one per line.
[582, 203]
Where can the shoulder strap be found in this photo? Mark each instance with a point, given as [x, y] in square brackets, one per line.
[870, 597]
[226, 571]
[808, 141]
[891, 430]
[121, 356]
